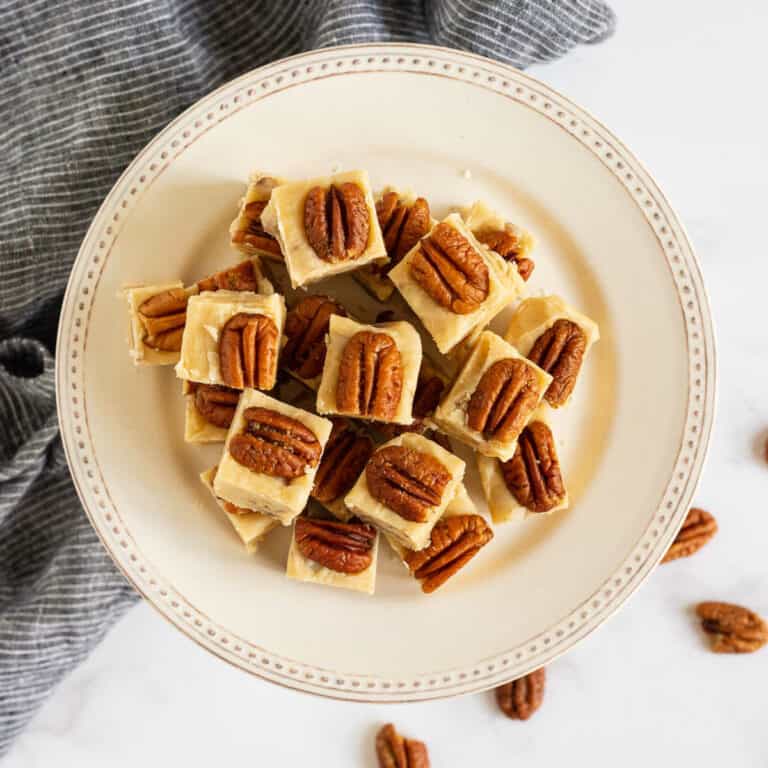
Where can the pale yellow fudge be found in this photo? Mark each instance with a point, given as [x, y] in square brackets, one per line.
[143, 350]
[284, 219]
[301, 568]
[278, 497]
[446, 326]
[246, 232]
[408, 343]
[250, 526]
[532, 319]
[207, 314]
[451, 416]
[408, 533]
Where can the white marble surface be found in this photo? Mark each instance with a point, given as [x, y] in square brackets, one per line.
[679, 84]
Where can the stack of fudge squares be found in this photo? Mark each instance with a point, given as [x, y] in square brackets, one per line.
[371, 455]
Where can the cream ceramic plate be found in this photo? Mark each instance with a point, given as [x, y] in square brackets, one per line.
[456, 128]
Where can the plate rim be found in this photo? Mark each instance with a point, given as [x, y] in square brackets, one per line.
[478, 71]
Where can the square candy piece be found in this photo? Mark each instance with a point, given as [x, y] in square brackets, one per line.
[556, 337]
[388, 352]
[157, 315]
[303, 568]
[208, 411]
[250, 526]
[454, 284]
[262, 489]
[340, 237]
[408, 455]
[531, 482]
[246, 232]
[247, 356]
[493, 397]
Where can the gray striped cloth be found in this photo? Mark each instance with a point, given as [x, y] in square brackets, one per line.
[83, 86]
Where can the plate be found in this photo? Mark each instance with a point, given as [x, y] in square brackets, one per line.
[455, 127]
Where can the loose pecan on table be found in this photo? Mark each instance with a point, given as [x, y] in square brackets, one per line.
[241, 277]
[402, 225]
[337, 221]
[253, 234]
[699, 527]
[393, 751]
[248, 351]
[733, 629]
[451, 271]
[533, 475]
[272, 443]
[506, 243]
[216, 404]
[520, 698]
[455, 541]
[408, 481]
[342, 547]
[560, 351]
[504, 398]
[306, 326]
[163, 317]
[370, 379]
[344, 458]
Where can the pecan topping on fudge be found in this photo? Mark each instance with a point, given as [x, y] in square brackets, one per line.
[239, 278]
[699, 527]
[455, 541]
[429, 390]
[560, 351]
[533, 473]
[342, 547]
[306, 327]
[216, 404]
[163, 317]
[520, 698]
[248, 351]
[402, 225]
[504, 399]
[370, 379]
[451, 271]
[253, 235]
[344, 458]
[408, 481]
[393, 751]
[733, 629]
[337, 221]
[272, 443]
[507, 244]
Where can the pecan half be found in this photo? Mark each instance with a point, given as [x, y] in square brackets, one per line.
[533, 473]
[520, 698]
[306, 326]
[344, 458]
[401, 224]
[272, 443]
[408, 481]
[337, 221]
[699, 527]
[560, 351]
[370, 376]
[342, 547]
[393, 751]
[248, 351]
[253, 234]
[163, 317]
[239, 278]
[451, 271]
[507, 245]
[733, 629]
[429, 390]
[216, 404]
[455, 541]
[504, 398]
